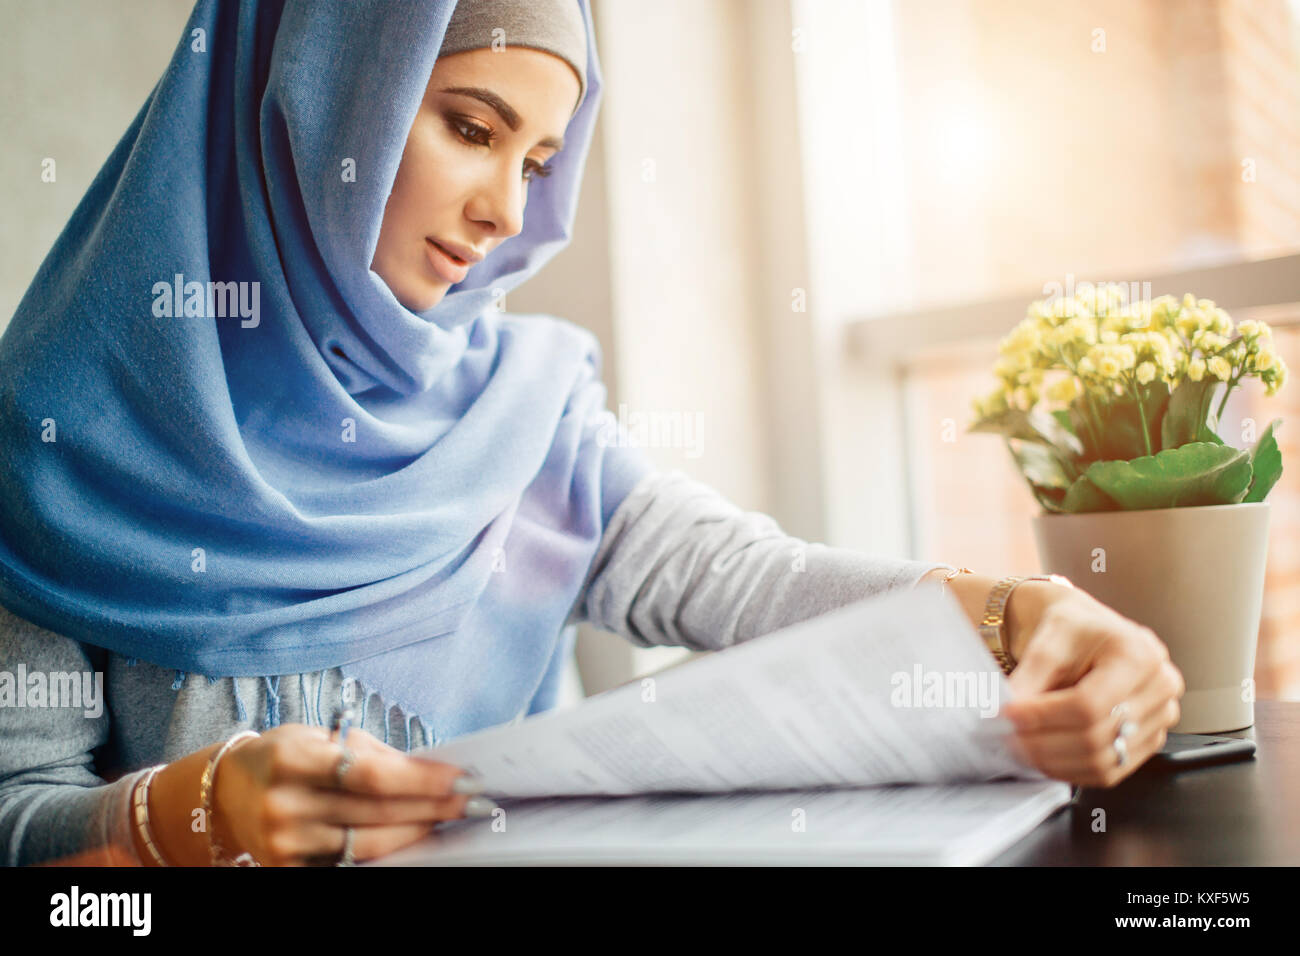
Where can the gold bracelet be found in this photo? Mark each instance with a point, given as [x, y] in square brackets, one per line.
[952, 574]
[207, 787]
[140, 811]
[993, 627]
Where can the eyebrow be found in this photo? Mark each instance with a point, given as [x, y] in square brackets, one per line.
[505, 110]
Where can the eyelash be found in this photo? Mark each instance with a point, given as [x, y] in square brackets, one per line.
[456, 125]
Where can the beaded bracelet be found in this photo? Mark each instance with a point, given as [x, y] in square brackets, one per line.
[207, 786]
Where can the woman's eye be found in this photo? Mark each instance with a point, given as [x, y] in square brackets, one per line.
[477, 135]
[472, 132]
[537, 169]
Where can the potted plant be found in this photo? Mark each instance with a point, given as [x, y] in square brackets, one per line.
[1111, 411]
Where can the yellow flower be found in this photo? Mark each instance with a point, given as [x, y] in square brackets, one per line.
[1196, 369]
[1139, 316]
[1275, 378]
[1025, 396]
[1209, 341]
[1024, 336]
[1187, 323]
[1220, 368]
[1011, 364]
[1064, 308]
[1108, 365]
[992, 404]
[1265, 359]
[1146, 372]
[1065, 390]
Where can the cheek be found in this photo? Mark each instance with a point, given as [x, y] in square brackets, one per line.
[428, 182]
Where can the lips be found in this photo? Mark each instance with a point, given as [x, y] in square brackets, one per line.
[448, 268]
[454, 258]
[464, 255]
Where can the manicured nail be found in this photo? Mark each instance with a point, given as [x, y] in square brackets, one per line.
[467, 783]
[479, 807]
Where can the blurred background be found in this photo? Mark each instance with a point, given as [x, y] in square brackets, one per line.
[804, 231]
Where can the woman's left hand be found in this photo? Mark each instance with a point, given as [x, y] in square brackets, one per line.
[1084, 672]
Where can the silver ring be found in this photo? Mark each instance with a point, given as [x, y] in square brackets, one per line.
[1121, 750]
[344, 764]
[1127, 728]
[345, 858]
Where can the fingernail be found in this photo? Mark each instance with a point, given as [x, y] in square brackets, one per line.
[467, 783]
[479, 807]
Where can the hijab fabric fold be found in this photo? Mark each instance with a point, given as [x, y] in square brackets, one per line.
[313, 476]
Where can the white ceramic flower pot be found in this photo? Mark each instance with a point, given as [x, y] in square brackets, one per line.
[1195, 576]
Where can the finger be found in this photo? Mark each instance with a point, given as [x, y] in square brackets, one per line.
[339, 808]
[399, 775]
[1106, 769]
[1109, 682]
[321, 844]
[1117, 676]
[1066, 746]
[1166, 685]
[376, 768]
[1102, 766]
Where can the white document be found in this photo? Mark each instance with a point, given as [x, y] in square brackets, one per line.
[894, 689]
[954, 825]
[761, 754]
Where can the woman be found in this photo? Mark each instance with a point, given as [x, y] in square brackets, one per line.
[361, 483]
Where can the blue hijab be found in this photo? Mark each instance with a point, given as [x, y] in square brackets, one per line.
[302, 473]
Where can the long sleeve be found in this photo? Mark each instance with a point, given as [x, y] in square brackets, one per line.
[52, 804]
[681, 565]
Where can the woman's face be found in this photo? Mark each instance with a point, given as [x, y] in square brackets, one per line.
[488, 124]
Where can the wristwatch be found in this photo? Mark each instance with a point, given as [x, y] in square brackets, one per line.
[993, 627]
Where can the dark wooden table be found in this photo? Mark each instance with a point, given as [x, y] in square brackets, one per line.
[1238, 814]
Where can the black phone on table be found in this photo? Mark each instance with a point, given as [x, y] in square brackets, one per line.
[1195, 750]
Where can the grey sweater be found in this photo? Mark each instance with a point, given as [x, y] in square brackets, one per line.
[678, 564]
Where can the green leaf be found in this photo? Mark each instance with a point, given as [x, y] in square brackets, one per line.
[1084, 497]
[1186, 419]
[1043, 471]
[1120, 432]
[1039, 464]
[1199, 473]
[1033, 426]
[1063, 416]
[1051, 500]
[1265, 462]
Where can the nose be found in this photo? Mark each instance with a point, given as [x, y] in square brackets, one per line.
[499, 204]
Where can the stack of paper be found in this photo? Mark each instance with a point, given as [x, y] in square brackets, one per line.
[897, 689]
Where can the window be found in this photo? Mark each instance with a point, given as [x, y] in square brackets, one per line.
[982, 150]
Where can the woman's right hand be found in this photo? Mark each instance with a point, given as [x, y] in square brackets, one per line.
[277, 798]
